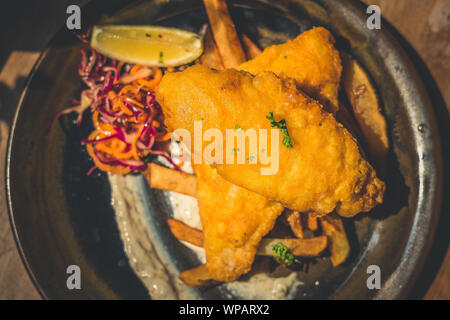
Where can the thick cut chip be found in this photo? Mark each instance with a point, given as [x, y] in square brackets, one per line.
[366, 109]
[197, 277]
[339, 246]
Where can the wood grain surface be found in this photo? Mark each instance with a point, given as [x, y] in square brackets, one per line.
[423, 27]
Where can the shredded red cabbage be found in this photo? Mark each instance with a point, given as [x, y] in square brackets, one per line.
[128, 120]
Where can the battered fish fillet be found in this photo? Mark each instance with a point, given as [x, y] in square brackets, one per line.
[322, 172]
[234, 221]
[310, 59]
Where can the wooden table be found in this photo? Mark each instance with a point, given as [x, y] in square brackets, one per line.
[26, 27]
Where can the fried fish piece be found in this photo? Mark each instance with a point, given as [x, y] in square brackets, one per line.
[322, 172]
[311, 59]
[234, 221]
[229, 249]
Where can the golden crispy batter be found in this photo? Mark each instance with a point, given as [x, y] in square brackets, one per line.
[234, 221]
[323, 171]
[310, 59]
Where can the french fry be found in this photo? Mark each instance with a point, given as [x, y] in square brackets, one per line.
[311, 221]
[183, 232]
[211, 56]
[160, 177]
[294, 221]
[311, 247]
[334, 229]
[251, 49]
[224, 32]
[364, 101]
[197, 277]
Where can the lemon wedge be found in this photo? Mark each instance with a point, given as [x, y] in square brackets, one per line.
[147, 45]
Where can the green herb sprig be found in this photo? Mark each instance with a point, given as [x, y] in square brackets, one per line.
[284, 254]
[287, 142]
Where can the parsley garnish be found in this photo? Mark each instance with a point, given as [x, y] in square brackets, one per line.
[161, 57]
[287, 142]
[284, 254]
[238, 127]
